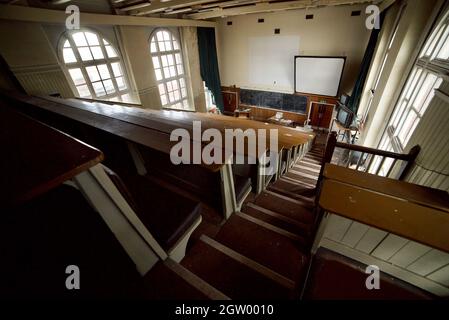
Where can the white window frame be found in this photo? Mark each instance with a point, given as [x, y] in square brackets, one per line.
[164, 83]
[428, 73]
[118, 93]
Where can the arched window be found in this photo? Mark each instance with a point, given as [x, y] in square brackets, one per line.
[94, 66]
[169, 69]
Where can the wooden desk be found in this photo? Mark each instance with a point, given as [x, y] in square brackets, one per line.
[415, 212]
[36, 157]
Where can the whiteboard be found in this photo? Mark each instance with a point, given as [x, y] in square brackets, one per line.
[318, 75]
[270, 60]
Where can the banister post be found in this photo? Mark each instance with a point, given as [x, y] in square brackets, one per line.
[327, 158]
[412, 155]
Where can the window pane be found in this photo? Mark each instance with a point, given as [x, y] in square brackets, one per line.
[77, 76]
[166, 72]
[156, 62]
[174, 84]
[168, 45]
[111, 52]
[153, 47]
[172, 72]
[178, 58]
[69, 56]
[116, 69]
[171, 96]
[109, 86]
[92, 38]
[104, 71]
[160, 36]
[105, 42]
[161, 89]
[161, 46]
[164, 99]
[169, 86]
[407, 126]
[180, 71]
[85, 54]
[424, 91]
[170, 60]
[164, 61]
[93, 73]
[158, 74]
[182, 82]
[175, 44]
[183, 92]
[96, 51]
[79, 39]
[177, 95]
[120, 83]
[67, 44]
[98, 87]
[83, 91]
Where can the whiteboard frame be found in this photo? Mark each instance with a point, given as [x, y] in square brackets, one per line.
[320, 57]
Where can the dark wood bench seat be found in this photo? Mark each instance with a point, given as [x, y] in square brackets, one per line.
[167, 215]
[41, 237]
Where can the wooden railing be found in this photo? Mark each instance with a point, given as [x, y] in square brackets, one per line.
[411, 211]
[379, 162]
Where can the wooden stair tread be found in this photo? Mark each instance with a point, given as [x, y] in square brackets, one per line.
[314, 164]
[264, 246]
[288, 208]
[301, 178]
[278, 220]
[289, 187]
[235, 275]
[168, 280]
[305, 171]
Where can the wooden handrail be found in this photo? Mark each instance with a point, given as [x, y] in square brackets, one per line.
[409, 158]
[415, 212]
[378, 152]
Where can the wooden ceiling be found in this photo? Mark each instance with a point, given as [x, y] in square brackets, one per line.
[208, 9]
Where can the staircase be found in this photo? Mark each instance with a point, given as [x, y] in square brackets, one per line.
[263, 252]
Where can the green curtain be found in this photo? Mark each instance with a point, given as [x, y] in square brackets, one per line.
[209, 63]
[354, 100]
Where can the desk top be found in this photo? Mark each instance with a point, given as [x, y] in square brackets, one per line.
[415, 212]
[152, 128]
[36, 157]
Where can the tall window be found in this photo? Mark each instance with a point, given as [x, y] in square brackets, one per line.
[169, 69]
[425, 78]
[94, 66]
[383, 62]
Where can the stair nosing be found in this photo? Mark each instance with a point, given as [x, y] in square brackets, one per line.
[299, 182]
[276, 215]
[307, 200]
[295, 201]
[259, 268]
[195, 281]
[270, 227]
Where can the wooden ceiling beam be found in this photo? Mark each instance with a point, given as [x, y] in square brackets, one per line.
[268, 7]
[135, 6]
[30, 14]
[174, 4]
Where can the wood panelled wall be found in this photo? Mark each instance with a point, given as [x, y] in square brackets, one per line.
[413, 262]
